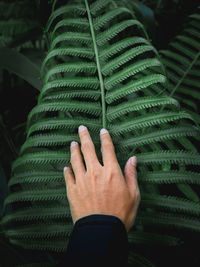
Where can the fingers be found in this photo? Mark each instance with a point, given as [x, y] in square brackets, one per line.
[87, 147]
[107, 148]
[69, 178]
[76, 160]
[131, 175]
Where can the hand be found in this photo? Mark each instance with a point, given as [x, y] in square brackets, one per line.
[101, 189]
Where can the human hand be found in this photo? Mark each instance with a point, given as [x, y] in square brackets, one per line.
[101, 189]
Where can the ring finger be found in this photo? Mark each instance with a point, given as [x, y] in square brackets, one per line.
[76, 160]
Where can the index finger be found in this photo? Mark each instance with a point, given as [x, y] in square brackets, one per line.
[107, 147]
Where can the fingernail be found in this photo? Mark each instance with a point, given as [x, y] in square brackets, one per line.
[133, 161]
[81, 128]
[65, 168]
[103, 131]
[73, 143]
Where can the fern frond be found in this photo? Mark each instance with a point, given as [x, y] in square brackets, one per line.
[34, 231]
[160, 136]
[37, 213]
[36, 177]
[170, 177]
[70, 82]
[101, 21]
[133, 86]
[95, 95]
[98, 5]
[41, 158]
[83, 38]
[102, 71]
[67, 123]
[115, 48]
[63, 10]
[159, 157]
[81, 52]
[167, 220]
[147, 121]
[107, 35]
[125, 57]
[47, 140]
[130, 71]
[72, 105]
[150, 239]
[182, 61]
[87, 67]
[138, 104]
[39, 244]
[37, 195]
[171, 203]
[81, 23]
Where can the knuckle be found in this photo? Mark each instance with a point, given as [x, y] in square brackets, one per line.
[114, 170]
[94, 173]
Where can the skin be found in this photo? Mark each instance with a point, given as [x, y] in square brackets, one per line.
[99, 189]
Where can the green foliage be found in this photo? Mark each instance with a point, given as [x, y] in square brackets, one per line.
[101, 70]
[182, 61]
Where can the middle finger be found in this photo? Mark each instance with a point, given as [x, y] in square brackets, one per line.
[87, 147]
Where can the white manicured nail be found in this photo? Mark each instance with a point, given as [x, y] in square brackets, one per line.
[133, 161]
[73, 143]
[103, 131]
[81, 128]
[65, 168]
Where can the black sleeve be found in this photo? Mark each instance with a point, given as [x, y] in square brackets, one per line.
[97, 240]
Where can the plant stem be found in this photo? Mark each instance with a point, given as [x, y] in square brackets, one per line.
[98, 66]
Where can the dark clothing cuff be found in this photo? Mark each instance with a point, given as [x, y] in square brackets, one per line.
[98, 240]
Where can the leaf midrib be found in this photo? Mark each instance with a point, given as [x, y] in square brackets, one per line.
[98, 66]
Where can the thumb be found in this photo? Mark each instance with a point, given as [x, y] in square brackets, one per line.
[131, 174]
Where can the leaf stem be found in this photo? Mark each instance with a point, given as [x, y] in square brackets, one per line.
[98, 66]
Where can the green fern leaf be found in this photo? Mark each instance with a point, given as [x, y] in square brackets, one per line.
[182, 61]
[138, 104]
[150, 239]
[133, 86]
[174, 221]
[147, 121]
[170, 157]
[97, 6]
[37, 213]
[101, 21]
[130, 71]
[171, 203]
[71, 67]
[105, 36]
[36, 177]
[64, 10]
[125, 57]
[95, 95]
[120, 45]
[67, 123]
[170, 177]
[158, 136]
[87, 107]
[81, 52]
[83, 38]
[37, 195]
[41, 158]
[82, 23]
